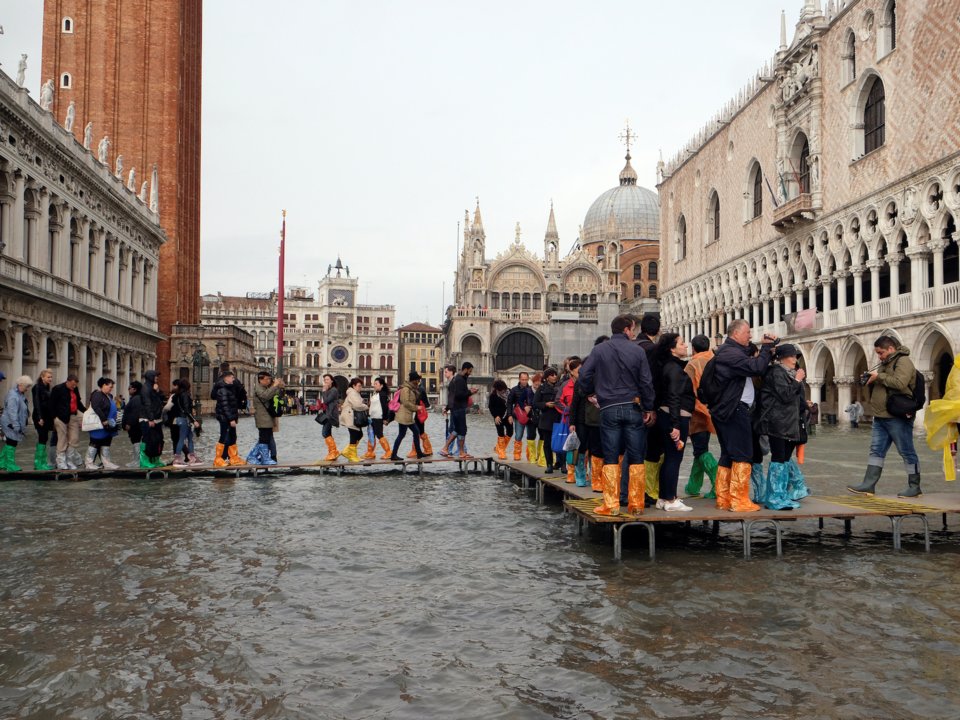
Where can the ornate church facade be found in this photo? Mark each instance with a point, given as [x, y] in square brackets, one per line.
[830, 185]
[519, 311]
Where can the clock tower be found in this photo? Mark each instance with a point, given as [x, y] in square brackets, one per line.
[337, 296]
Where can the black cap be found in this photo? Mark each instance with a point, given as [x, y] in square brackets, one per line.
[787, 350]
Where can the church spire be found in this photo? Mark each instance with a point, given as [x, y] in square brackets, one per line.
[552, 233]
[477, 220]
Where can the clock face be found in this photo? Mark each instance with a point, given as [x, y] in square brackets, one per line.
[339, 354]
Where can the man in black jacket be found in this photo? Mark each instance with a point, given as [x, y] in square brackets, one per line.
[67, 418]
[653, 458]
[617, 371]
[458, 402]
[734, 373]
[226, 391]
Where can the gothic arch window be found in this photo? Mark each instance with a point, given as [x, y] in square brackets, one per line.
[66, 82]
[874, 117]
[67, 25]
[638, 272]
[888, 29]
[756, 191]
[804, 167]
[713, 218]
[681, 238]
[652, 271]
[849, 57]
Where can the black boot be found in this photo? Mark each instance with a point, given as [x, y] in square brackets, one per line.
[870, 479]
[913, 487]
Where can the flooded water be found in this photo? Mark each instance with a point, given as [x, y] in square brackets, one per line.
[451, 596]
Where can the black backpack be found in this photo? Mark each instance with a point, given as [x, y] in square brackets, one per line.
[906, 406]
[710, 389]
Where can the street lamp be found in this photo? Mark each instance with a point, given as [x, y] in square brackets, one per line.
[718, 338]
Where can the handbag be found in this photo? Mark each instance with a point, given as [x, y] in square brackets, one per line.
[91, 421]
[520, 414]
[422, 413]
[361, 418]
[561, 431]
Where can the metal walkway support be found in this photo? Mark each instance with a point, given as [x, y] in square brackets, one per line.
[618, 538]
[747, 528]
[897, 520]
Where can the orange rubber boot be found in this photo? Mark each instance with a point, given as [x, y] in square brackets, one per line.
[636, 489]
[721, 485]
[371, 452]
[517, 450]
[332, 452]
[425, 444]
[611, 491]
[235, 458]
[218, 460]
[596, 473]
[740, 488]
[387, 450]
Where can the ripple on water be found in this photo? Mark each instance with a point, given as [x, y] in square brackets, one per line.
[445, 596]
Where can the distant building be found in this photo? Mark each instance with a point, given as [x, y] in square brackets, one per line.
[323, 333]
[418, 351]
[821, 204]
[79, 256]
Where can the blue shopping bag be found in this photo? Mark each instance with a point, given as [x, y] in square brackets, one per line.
[560, 432]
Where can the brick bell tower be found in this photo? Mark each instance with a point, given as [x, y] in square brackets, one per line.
[132, 69]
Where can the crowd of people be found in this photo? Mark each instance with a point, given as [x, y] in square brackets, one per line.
[621, 418]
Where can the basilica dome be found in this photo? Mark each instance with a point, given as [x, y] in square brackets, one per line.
[626, 212]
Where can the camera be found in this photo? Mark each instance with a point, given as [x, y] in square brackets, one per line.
[865, 378]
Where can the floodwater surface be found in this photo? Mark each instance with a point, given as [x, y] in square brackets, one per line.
[452, 596]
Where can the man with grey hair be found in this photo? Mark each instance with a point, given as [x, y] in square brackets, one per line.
[731, 412]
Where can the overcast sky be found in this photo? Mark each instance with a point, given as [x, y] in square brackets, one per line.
[376, 124]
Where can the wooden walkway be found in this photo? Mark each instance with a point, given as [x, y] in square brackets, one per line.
[582, 501]
[478, 464]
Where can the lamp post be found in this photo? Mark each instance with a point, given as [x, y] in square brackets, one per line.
[718, 338]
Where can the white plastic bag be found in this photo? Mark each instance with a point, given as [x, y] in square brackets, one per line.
[91, 421]
[572, 443]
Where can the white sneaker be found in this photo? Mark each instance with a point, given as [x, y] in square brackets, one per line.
[661, 504]
[676, 506]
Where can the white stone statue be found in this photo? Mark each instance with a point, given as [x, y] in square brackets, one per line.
[155, 190]
[909, 212]
[780, 196]
[102, 149]
[143, 192]
[88, 136]
[132, 180]
[814, 172]
[22, 70]
[46, 95]
[118, 168]
[71, 116]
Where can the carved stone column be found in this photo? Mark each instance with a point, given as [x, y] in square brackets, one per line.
[41, 233]
[858, 293]
[16, 249]
[16, 364]
[844, 398]
[826, 284]
[83, 372]
[893, 262]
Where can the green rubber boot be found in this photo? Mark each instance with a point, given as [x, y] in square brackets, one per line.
[40, 459]
[7, 459]
[695, 483]
[710, 468]
[146, 463]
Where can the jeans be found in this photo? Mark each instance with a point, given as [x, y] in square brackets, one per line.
[518, 430]
[670, 470]
[412, 427]
[622, 426]
[898, 431]
[185, 438]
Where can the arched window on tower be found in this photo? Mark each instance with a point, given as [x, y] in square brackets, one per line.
[874, 118]
[600, 251]
[638, 272]
[637, 290]
[652, 271]
[653, 291]
[67, 25]
[66, 82]
[713, 218]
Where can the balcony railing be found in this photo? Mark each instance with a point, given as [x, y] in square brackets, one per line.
[799, 209]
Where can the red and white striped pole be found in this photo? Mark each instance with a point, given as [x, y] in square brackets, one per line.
[280, 295]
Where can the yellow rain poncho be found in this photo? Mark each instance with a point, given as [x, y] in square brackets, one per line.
[941, 418]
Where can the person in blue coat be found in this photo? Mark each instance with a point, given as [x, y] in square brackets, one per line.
[14, 422]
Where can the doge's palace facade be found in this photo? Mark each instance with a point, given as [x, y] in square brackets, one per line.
[78, 255]
[830, 183]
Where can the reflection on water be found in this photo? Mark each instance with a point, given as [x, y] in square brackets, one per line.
[446, 596]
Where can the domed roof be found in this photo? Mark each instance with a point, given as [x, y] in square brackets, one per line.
[626, 212]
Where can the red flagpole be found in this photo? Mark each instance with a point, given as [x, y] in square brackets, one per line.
[280, 294]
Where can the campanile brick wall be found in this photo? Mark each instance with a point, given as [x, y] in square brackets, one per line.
[135, 67]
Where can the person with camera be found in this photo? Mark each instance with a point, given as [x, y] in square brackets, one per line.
[731, 413]
[891, 386]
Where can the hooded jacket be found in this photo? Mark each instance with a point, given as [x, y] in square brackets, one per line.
[228, 400]
[782, 405]
[151, 401]
[897, 375]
